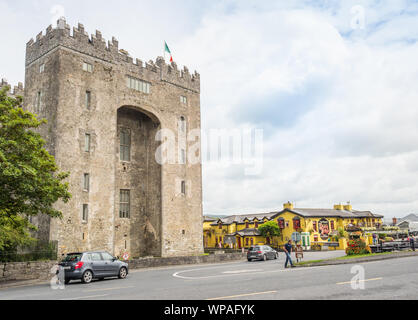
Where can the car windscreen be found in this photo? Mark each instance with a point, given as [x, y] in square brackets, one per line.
[255, 249]
[73, 257]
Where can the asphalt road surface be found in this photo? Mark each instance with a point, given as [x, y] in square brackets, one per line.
[387, 279]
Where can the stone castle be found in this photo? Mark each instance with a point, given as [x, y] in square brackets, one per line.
[105, 113]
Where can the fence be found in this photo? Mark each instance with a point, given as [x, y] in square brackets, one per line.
[41, 250]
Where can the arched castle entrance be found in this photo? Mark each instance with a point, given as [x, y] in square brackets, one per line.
[138, 184]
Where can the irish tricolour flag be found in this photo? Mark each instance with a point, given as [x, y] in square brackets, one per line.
[167, 50]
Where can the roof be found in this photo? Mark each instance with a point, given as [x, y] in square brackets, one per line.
[241, 218]
[331, 213]
[409, 217]
[248, 232]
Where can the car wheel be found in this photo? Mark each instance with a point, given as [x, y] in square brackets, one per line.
[264, 258]
[276, 256]
[123, 273]
[67, 281]
[249, 260]
[87, 277]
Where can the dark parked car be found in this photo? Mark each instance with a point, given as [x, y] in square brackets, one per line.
[261, 253]
[92, 265]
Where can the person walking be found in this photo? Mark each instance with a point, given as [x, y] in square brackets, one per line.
[412, 243]
[288, 250]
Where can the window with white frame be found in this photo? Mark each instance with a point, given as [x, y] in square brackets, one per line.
[42, 68]
[125, 204]
[183, 99]
[138, 85]
[87, 67]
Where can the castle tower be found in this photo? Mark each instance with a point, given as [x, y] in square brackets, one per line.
[107, 118]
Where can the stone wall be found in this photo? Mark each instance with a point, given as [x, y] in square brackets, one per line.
[42, 270]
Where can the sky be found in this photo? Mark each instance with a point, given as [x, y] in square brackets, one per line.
[329, 86]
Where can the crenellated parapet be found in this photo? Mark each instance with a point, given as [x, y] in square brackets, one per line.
[96, 46]
[17, 90]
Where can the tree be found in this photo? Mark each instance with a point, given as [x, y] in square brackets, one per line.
[269, 229]
[29, 179]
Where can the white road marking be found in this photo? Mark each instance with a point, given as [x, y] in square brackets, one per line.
[108, 289]
[86, 297]
[243, 295]
[349, 282]
[241, 271]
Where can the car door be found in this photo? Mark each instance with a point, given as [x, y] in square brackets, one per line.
[270, 253]
[97, 264]
[111, 265]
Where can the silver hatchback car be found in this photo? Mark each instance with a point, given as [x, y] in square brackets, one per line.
[91, 265]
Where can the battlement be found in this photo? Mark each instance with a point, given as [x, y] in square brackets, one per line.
[96, 46]
[17, 90]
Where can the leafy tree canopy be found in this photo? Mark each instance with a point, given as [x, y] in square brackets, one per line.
[29, 179]
[269, 229]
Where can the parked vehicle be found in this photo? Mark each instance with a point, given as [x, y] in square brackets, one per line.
[261, 253]
[92, 265]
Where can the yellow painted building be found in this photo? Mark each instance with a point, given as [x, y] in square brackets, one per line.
[310, 226]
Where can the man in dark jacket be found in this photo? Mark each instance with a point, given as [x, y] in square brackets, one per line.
[412, 242]
[288, 250]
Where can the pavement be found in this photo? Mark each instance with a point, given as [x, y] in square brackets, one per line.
[385, 279]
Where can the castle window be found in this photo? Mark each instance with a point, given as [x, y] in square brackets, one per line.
[182, 124]
[42, 68]
[88, 99]
[182, 156]
[138, 85]
[183, 99]
[125, 145]
[38, 102]
[86, 182]
[125, 204]
[87, 67]
[85, 212]
[183, 187]
[87, 142]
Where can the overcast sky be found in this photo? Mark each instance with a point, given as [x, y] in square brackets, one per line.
[332, 84]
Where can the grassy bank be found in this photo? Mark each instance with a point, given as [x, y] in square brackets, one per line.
[344, 258]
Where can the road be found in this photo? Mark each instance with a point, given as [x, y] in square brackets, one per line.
[388, 279]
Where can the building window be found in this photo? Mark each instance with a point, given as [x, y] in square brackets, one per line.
[332, 225]
[256, 225]
[183, 99]
[182, 124]
[252, 241]
[281, 223]
[86, 183]
[183, 187]
[247, 225]
[220, 226]
[138, 85]
[38, 102]
[296, 224]
[87, 67]
[87, 142]
[85, 212]
[247, 241]
[316, 238]
[125, 145]
[42, 68]
[125, 204]
[182, 156]
[315, 226]
[88, 99]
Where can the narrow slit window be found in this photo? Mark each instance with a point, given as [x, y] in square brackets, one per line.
[88, 99]
[86, 183]
[85, 212]
[87, 142]
[125, 145]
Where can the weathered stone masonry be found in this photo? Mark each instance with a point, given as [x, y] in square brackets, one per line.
[162, 222]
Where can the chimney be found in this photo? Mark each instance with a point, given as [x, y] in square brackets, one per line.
[288, 205]
[339, 207]
[348, 207]
[395, 221]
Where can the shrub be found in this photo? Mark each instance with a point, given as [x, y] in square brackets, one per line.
[357, 247]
